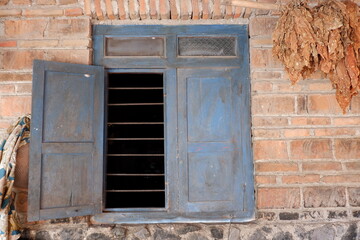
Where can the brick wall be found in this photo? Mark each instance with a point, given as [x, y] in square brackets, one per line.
[306, 152]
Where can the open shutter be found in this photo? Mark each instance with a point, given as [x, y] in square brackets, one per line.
[66, 148]
[211, 144]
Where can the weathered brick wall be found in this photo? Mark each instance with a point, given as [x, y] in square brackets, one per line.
[306, 152]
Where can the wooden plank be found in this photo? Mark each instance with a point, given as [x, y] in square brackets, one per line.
[122, 12]
[195, 9]
[109, 9]
[250, 4]
[98, 10]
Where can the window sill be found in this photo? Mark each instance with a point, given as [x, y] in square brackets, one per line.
[161, 217]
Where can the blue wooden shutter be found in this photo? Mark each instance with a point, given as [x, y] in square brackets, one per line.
[214, 144]
[66, 149]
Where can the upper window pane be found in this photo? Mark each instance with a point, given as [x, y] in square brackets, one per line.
[134, 46]
[207, 46]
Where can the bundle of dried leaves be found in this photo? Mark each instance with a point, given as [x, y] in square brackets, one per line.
[294, 40]
[333, 46]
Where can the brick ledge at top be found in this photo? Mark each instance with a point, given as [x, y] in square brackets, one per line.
[126, 9]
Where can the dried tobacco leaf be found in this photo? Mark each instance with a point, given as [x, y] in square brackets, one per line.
[326, 38]
[338, 46]
[294, 40]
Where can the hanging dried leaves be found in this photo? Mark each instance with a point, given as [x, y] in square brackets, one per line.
[326, 37]
[295, 41]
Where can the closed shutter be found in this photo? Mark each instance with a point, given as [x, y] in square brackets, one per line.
[66, 149]
[212, 142]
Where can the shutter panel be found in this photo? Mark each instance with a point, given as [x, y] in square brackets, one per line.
[66, 149]
[211, 142]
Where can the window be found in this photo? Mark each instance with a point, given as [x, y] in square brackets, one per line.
[156, 132]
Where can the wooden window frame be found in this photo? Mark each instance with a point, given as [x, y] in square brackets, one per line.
[177, 70]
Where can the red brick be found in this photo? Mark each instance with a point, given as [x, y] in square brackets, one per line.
[352, 166]
[323, 104]
[296, 179]
[270, 150]
[45, 2]
[21, 2]
[38, 43]
[14, 77]
[153, 9]
[320, 86]
[14, 106]
[276, 167]
[261, 41]
[335, 132]
[21, 59]
[133, 7]
[66, 2]
[321, 166]
[273, 104]
[76, 43]
[72, 12]
[7, 43]
[355, 105]
[350, 178]
[266, 133]
[69, 28]
[261, 87]
[310, 149]
[269, 121]
[263, 58]
[4, 2]
[23, 88]
[42, 12]
[301, 105]
[294, 133]
[143, 10]
[347, 148]
[287, 87]
[347, 121]
[7, 88]
[278, 198]
[262, 26]
[70, 56]
[10, 12]
[265, 179]
[25, 29]
[174, 14]
[267, 75]
[216, 10]
[310, 121]
[324, 197]
[164, 9]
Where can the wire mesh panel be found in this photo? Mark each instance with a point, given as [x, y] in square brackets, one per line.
[207, 46]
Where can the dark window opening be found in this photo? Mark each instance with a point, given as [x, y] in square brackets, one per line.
[135, 172]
